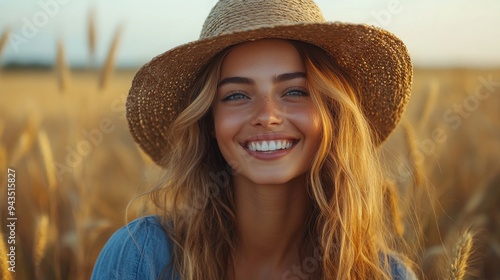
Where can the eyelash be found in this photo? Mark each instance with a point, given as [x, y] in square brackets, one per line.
[231, 96]
[239, 95]
[298, 90]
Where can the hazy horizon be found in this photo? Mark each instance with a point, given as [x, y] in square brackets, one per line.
[450, 33]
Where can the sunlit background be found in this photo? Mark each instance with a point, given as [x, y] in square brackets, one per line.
[65, 71]
[438, 33]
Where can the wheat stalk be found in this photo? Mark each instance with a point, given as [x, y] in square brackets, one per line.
[62, 68]
[430, 103]
[461, 256]
[410, 139]
[48, 159]
[26, 141]
[40, 241]
[109, 65]
[487, 194]
[3, 157]
[4, 265]
[2, 128]
[92, 34]
[3, 40]
[3, 149]
[482, 202]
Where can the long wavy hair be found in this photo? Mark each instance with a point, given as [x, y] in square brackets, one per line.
[349, 232]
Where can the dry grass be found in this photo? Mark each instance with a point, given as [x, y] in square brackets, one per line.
[414, 156]
[460, 257]
[4, 40]
[88, 203]
[4, 266]
[25, 142]
[85, 198]
[92, 34]
[46, 151]
[109, 65]
[63, 72]
[457, 173]
[41, 241]
[75, 180]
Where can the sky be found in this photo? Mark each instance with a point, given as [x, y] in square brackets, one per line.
[438, 33]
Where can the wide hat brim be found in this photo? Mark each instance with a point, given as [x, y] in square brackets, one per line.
[374, 59]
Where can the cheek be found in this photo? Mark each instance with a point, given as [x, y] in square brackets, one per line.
[317, 123]
[313, 130]
[227, 123]
[308, 121]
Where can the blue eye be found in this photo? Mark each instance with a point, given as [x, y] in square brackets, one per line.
[296, 93]
[235, 96]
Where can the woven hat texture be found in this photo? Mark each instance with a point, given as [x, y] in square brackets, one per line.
[374, 59]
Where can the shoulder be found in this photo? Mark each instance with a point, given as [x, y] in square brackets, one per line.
[400, 270]
[139, 250]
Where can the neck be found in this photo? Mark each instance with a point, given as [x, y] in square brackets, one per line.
[270, 219]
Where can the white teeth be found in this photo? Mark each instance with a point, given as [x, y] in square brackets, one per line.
[272, 145]
[265, 146]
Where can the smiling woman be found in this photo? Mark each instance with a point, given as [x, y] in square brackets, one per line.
[267, 129]
[263, 102]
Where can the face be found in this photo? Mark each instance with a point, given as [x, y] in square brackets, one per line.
[266, 125]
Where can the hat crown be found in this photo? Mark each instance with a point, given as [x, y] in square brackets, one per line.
[229, 16]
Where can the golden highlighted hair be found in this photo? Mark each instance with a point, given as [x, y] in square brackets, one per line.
[347, 234]
[346, 181]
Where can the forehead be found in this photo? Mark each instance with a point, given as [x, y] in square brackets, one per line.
[264, 56]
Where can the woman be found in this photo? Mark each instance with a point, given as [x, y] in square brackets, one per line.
[267, 129]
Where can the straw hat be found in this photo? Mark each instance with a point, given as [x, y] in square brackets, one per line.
[374, 59]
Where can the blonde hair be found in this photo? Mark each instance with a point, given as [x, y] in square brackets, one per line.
[346, 179]
[347, 231]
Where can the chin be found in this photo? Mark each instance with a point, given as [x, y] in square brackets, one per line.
[262, 178]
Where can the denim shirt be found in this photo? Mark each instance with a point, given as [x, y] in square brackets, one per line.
[142, 251]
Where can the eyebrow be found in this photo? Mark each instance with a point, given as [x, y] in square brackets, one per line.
[248, 81]
[236, 80]
[289, 76]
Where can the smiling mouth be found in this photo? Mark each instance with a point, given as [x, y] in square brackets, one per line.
[270, 145]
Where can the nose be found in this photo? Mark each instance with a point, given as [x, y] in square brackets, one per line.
[267, 113]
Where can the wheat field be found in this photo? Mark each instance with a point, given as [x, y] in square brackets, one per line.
[64, 133]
